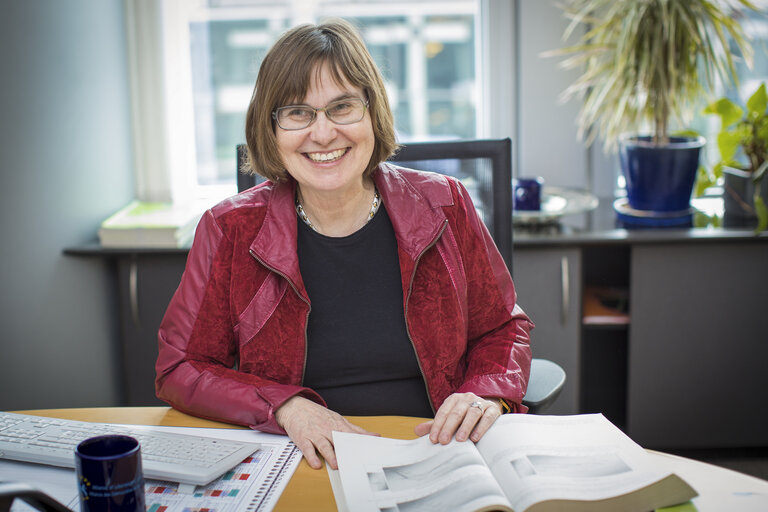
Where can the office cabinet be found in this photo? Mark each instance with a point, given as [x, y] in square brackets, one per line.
[146, 283]
[698, 345]
[548, 285]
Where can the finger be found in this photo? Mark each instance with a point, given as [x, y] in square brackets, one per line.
[326, 450]
[455, 418]
[423, 428]
[309, 453]
[489, 418]
[441, 416]
[471, 417]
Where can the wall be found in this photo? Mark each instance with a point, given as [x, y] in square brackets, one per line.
[547, 142]
[65, 163]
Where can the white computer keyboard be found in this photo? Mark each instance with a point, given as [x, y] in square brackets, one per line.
[165, 456]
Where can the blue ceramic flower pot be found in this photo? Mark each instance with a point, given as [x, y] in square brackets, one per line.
[660, 178]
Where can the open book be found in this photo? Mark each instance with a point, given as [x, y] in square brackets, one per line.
[524, 463]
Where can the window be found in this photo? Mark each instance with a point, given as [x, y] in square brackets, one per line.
[427, 50]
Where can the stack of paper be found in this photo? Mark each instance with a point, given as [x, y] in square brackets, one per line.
[148, 224]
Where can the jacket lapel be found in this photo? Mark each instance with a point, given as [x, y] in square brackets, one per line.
[275, 243]
[416, 213]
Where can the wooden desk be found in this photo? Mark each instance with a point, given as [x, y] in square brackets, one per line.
[309, 489]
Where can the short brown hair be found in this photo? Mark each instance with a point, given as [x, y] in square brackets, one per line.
[285, 77]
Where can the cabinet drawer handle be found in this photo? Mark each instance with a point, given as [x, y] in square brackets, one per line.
[133, 290]
[565, 289]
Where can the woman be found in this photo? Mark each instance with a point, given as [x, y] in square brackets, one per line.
[343, 285]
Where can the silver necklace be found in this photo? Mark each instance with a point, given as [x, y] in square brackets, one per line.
[374, 208]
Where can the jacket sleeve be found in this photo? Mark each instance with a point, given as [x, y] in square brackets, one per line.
[197, 355]
[498, 330]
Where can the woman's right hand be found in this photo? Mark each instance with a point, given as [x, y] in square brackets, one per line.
[311, 427]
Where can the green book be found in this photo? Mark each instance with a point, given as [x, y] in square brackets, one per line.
[151, 224]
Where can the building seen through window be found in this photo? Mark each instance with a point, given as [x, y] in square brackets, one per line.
[426, 50]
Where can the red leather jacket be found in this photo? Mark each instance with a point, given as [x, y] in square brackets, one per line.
[232, 344]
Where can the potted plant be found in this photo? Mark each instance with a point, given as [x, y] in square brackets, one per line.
[646, 64]
[743, 146]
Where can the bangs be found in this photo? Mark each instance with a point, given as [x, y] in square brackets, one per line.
[307, 72]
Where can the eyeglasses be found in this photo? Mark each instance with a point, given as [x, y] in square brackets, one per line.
[298, 117]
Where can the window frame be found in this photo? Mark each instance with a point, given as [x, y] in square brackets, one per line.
[162, 100]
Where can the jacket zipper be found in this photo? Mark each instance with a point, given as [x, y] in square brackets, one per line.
[407, 300]
[306, 319]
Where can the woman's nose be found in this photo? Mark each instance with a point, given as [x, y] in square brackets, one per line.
[323, 129]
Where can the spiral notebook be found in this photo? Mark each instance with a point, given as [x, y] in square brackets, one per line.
[254, 485]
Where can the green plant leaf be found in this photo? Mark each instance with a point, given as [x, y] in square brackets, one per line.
[762, 128]
[728, 143]
[761, 211]
[717, 171]
[728, 111]
[758, 102]
[704, 180]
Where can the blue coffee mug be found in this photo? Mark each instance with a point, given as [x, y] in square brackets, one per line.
[109, 474]
[527, 193]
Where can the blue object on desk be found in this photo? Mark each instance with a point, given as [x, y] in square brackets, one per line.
[527, 193]
[109, 474]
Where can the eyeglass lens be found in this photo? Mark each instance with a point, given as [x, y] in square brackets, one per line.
[296, 117]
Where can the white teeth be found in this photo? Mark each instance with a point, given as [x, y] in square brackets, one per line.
[326, 157]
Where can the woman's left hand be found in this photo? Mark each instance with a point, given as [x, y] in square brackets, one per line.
[466, 415]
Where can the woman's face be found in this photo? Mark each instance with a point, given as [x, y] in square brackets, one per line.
[327, 157]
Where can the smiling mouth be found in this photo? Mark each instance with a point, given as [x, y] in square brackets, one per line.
[327, 157]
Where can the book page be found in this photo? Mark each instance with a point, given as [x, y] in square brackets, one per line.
[390, 475]
[582, 457]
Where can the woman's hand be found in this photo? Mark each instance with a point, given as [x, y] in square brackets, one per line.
[466, 415]
[310, 426]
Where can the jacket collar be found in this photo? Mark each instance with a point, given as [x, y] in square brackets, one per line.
[275, 243]
[413, 199]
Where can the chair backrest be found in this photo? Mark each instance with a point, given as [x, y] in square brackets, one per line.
[485, 169]
[483, 166]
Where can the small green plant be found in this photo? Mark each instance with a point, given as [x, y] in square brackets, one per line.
[743, 144]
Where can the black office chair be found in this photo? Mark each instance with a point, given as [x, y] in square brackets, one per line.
[485, 169]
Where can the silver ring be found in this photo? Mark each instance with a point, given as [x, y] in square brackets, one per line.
[478, 404]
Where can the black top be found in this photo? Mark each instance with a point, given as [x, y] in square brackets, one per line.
[359, 356]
